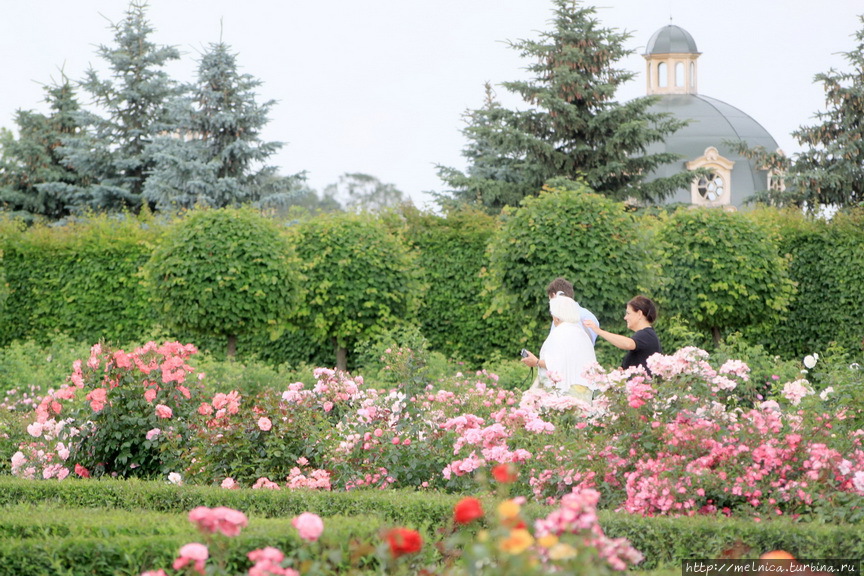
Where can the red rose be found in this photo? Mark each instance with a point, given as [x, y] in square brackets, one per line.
[504, 473]
[467, 510]
[403, 541]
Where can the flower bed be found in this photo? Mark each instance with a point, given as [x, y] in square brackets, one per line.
[691, 439]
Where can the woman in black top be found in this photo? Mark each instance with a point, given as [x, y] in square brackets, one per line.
[641, 314]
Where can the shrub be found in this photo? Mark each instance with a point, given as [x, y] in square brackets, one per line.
[361, 280]
[571, 232]
[225, 272]
[28, 365]
[722, 272]
[121, 415]
[452, 255]
[81, 279]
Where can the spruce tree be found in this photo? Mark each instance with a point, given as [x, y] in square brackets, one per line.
[217, 157]
[34, 180]
[113, 151]
[830, 170]
[573, 126]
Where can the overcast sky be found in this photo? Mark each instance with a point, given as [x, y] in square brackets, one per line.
[380, 86]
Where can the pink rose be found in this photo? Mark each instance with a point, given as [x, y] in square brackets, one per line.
[97, 398]
[163, 411]
[310, 526]
[153, 433]
[150, 395]
[193, 552]
[264, 424]
[35, 429]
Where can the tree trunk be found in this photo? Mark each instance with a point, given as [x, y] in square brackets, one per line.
[232, 346]
[341, 357]
[715, 332]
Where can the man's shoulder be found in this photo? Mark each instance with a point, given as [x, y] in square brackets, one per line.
[586, 314]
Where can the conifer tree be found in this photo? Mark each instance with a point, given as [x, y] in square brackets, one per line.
[113, 151]
[34, 180]
[216, 158]
[830, 170]
[573, 128]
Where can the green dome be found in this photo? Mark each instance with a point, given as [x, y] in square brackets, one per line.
[712, 123]
[671, 39]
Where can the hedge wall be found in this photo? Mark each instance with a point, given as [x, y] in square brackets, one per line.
[81, 279]
[452, 256]
[123, 527]
[483, 280]
[827, 263]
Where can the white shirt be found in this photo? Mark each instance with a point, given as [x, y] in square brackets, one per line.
[566, 352]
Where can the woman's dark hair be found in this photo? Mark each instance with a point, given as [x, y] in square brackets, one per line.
[560, 285]
[644, 305]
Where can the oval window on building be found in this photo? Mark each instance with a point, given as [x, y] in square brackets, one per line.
[711, 188]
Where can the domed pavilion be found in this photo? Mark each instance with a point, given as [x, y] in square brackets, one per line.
[672, 71]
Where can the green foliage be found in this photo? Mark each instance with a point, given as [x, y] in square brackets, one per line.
[30, 365]
[225, 272]
[452, 256]
[665, 542]
[766, 369]
[250, 377]
[361, 279]
[722, 272]
[81, 280]
[573, 126]
[571, 232]
[838, 374]
[400, 357]
[827, 264]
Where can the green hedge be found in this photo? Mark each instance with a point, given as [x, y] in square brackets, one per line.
[83, 280]
[827, 263]
[108, 542]
[452, 256]
[80, 279]
[125, 527]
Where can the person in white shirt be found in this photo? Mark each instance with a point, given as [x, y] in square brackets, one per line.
[566, 353]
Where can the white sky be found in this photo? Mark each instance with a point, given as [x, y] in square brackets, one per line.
[380, 86]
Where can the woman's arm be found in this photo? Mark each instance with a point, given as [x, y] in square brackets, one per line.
[617, 340]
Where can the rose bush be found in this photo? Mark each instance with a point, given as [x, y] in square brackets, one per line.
[689, 438]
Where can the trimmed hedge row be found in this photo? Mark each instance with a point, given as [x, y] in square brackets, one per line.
[108, 542]
[84, 280]
[91, 526]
